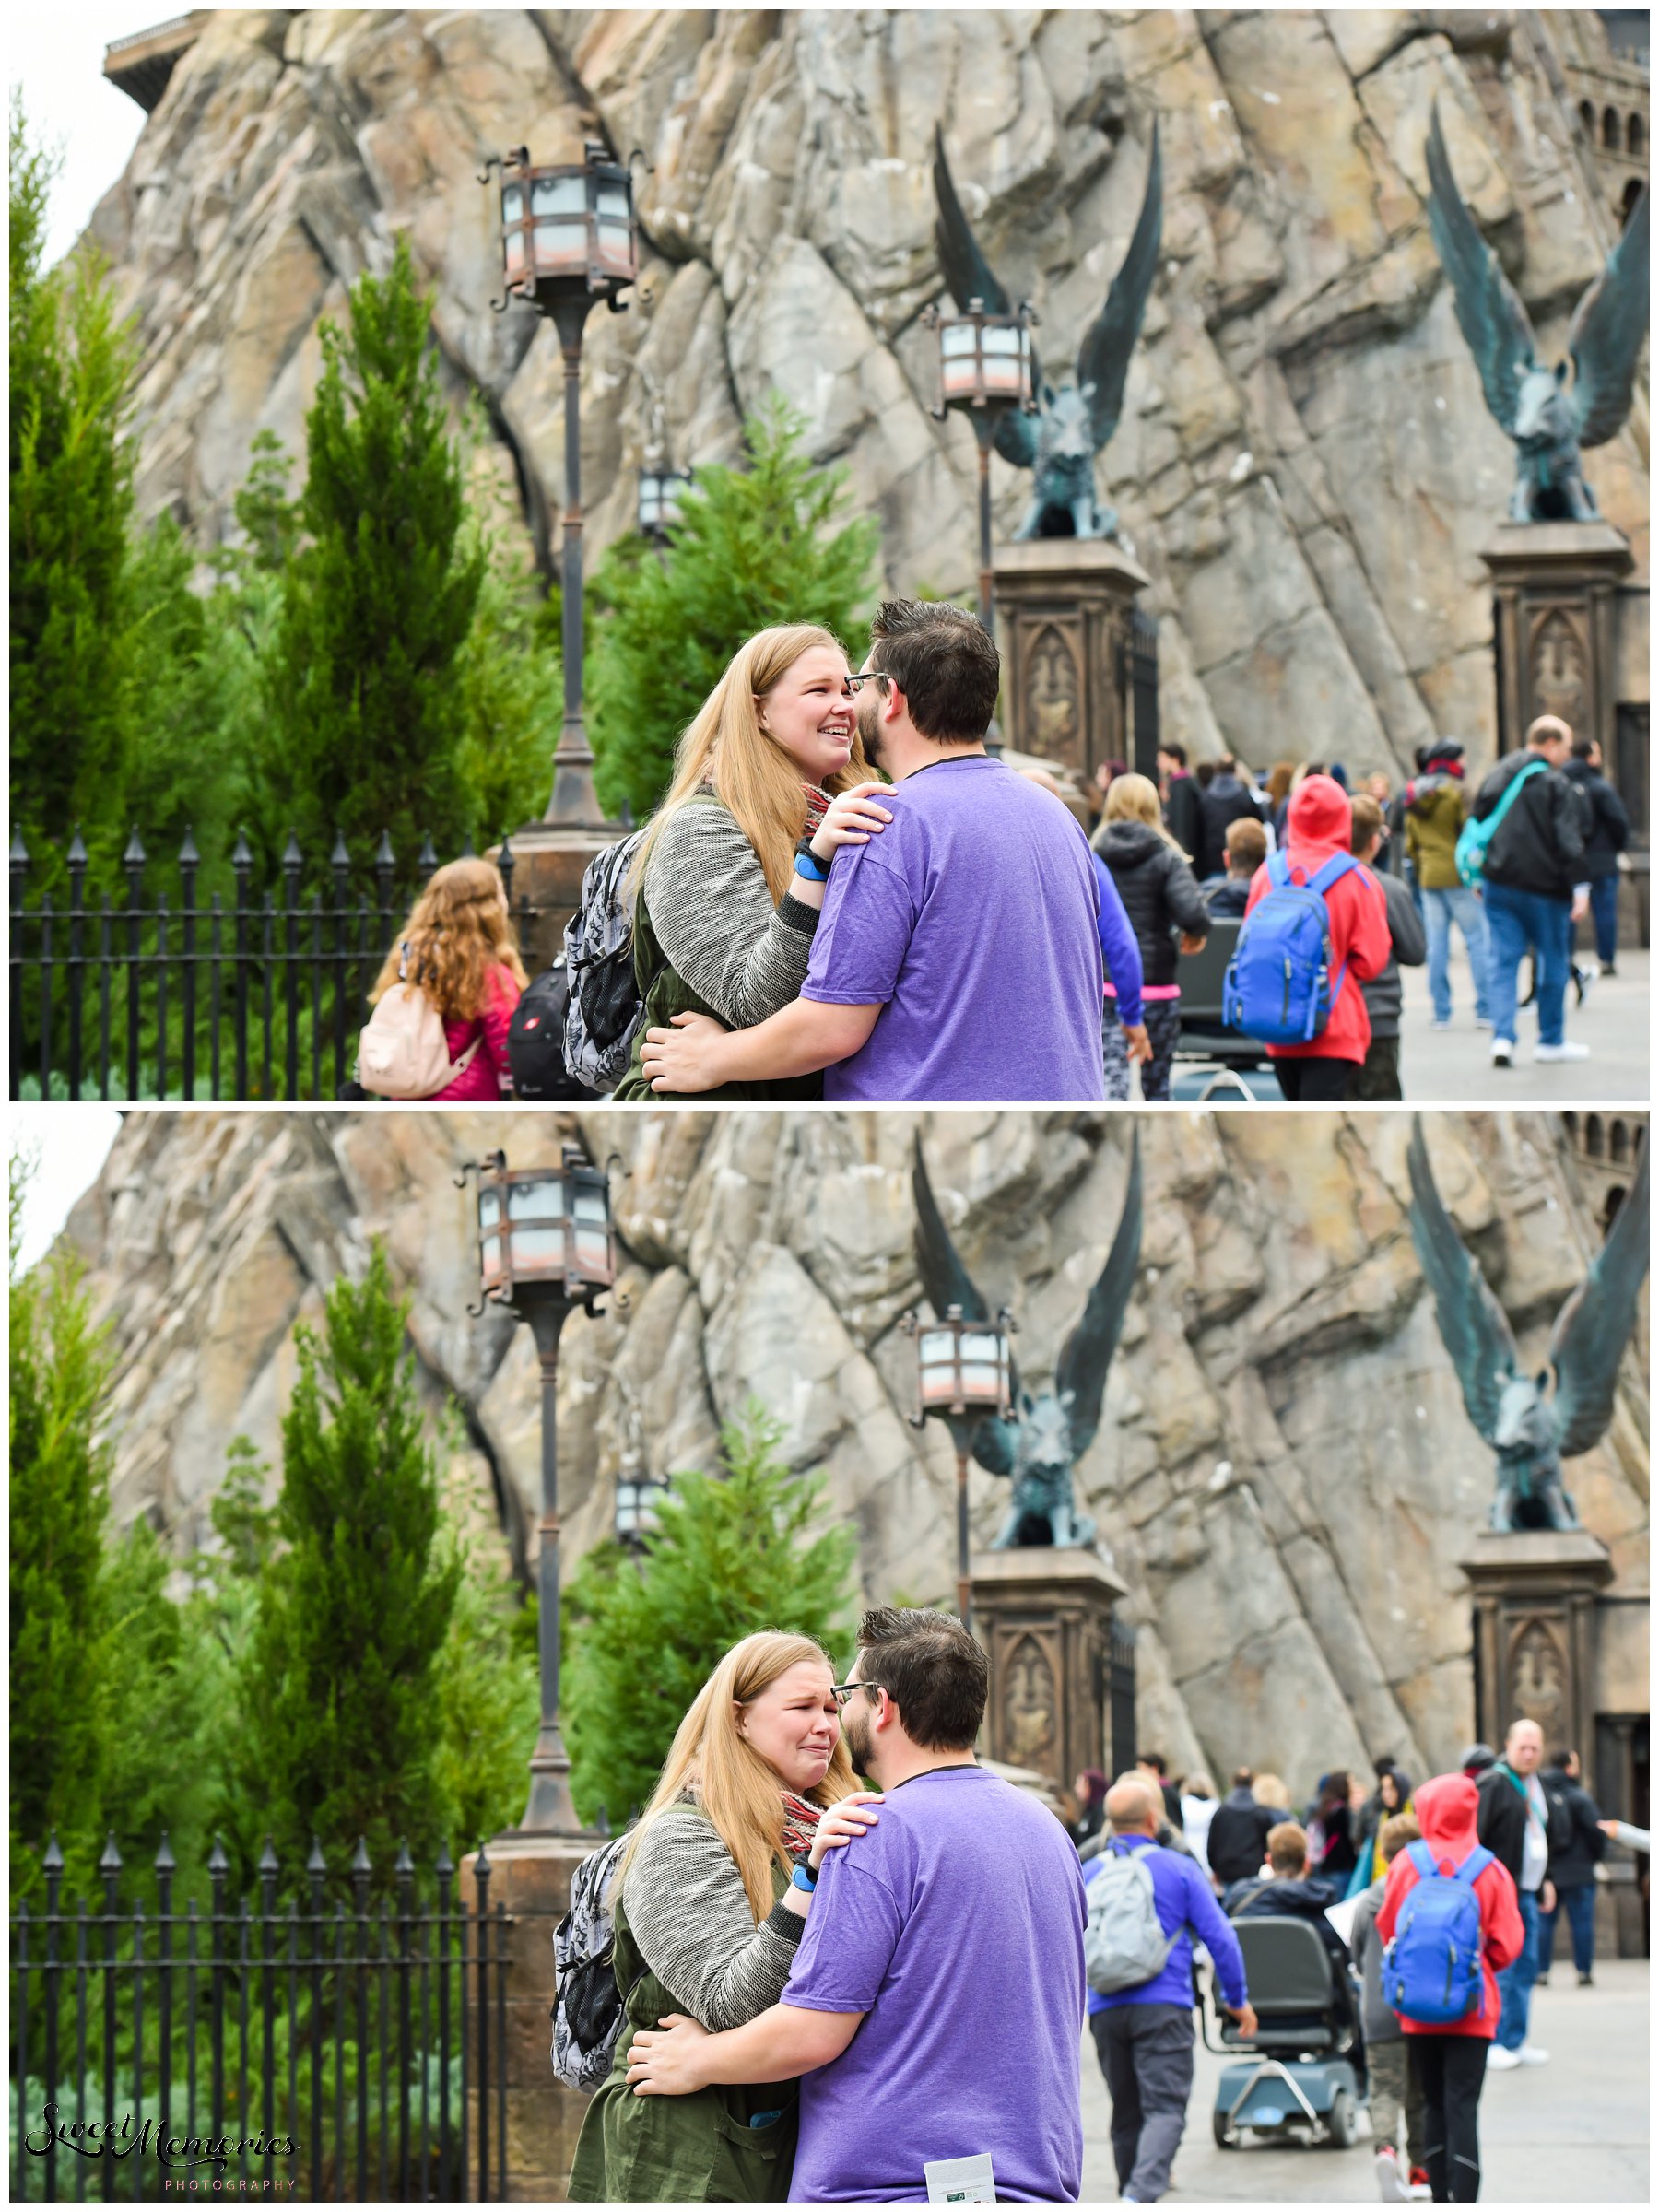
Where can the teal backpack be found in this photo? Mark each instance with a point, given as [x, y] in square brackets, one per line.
[1475, 838]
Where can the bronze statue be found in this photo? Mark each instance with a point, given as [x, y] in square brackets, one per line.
[1058, 443]
[1530, 1432]
[1039, 1446]
[1548, 420]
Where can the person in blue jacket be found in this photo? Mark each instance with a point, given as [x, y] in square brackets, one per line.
[1144, 2035]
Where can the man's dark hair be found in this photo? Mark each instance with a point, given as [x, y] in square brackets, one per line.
[1242, 1778]
[932, 1668]
[1226, 765]
[947, 667]
[1155, 1760]
[1174, 749]
[1385, 1765]
[1562, 1758]
[1583, 748]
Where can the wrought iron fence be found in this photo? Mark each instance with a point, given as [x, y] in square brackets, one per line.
[353, 2054]
[258, 994]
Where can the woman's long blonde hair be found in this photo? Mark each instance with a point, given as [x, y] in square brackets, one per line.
[725, 750]
[740, 1791]
[459, 930]
[1135, 799]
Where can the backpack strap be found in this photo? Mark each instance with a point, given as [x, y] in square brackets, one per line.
[1474, 1866]
[1333, 870]
[1424, 1860]
[1278, 868]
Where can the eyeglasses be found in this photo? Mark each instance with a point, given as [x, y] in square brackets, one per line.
[856, 684]
[841, 1691]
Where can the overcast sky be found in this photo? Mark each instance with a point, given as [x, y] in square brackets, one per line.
[67, 1145]
[54, 55]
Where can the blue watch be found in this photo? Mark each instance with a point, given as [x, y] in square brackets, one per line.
[808, 863]
[803, 1877]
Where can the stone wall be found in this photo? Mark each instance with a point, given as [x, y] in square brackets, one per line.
[1305, 464]
[1283, 1474]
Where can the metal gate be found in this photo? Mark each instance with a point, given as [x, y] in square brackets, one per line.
[1120, 1697]
[1140, 663]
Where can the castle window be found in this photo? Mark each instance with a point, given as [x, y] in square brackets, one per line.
[1636, 139]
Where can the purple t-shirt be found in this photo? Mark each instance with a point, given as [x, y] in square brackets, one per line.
[955, 1926]
[974, 921]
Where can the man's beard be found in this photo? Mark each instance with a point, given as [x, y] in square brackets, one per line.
[855, 1735]
[868, 714]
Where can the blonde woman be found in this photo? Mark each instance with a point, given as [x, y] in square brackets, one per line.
[1160, 895]
[708, 1913]
[458, 945]
[769, 781]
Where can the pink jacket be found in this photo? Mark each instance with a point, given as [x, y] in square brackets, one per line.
[487, 1074]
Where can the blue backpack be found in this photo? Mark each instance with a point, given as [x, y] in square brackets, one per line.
[1431, 1966]
[1280, 988]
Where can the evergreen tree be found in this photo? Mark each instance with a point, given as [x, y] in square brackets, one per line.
[365, 711]
[486, 1706]
[753, 546]
[59, 1504]
[338, 1688]
[72, 658]
[731, 1554]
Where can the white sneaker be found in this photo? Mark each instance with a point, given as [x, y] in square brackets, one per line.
[1556, 1051]
[1529, 2055]
[1483, 1022]
[1392, 2185]
[1438, 1024]
[1500, 2061]
[1503, 1051]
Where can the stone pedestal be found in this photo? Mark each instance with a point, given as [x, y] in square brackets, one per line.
[1063, 607]
[530, 1875]
[1536, 1632]
[548, 862]
[1044, 1617]
[1555, 627]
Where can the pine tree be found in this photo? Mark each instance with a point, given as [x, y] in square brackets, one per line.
[751, 549]
[731, 1554]
[72, 658]
[59, 1506]
[338, 1689]
[365, 713]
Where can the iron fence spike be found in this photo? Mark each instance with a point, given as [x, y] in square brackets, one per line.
[240, 856]
[360, 1858]
[19, 851]
[405, 1864]
[188, 855]
[445, 1865]
[165, 1861]
[291, 855]
[77, 850]
[268, 1857]
[134, 856]
[315, 1863]
[111, 1862]
[339, 857]
[52, 1859]
[383, 855]
[216, 1860]
[481, 1861]
[427, 857]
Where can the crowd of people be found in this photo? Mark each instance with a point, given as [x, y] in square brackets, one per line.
[778, 1985]
[844, 895]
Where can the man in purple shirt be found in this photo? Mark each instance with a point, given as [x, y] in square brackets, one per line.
[958, 955]
[935, 2005]
[1143, 2034]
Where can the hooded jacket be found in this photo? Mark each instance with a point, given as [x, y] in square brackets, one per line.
[1407, 948]
[1436, 808]
[1609, 830]
[1238, 1836]
[1539, 844]
[1319, 824]
[1158, 892]
[1226, 801]
[1445, 1811]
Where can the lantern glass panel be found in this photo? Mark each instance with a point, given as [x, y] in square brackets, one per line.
[590, 1204]
[513, 203]
[592, 1254]
[538, 1251]
[936, 1347]
[490, 1256]
[489, 1209]
[558, 196]
[560, 246]
[956, 338]
[515, 252]
[543, 1200]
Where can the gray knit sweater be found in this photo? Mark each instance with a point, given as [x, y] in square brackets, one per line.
[715, 920]
[690, 1914]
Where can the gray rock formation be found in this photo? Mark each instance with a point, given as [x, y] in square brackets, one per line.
[1283, 1474]
[1305, 464]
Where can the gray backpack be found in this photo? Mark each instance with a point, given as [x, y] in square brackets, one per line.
[604, 1007]
[587, 2017]
[1123, 1945]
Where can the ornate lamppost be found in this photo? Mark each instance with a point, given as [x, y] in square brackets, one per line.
[985, 370]
[963, 1369]
[545, 1245]
[568, 237]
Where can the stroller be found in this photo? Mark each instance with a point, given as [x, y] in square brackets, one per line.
[1296, 2075]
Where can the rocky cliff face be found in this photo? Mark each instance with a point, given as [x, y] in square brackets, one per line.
[1283, 1474]
[1305, 464]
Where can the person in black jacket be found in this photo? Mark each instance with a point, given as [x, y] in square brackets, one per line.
[1572, 1868]
[1160, 898]
[1522, 1826]
[1226, 800]
[1532, 880]
[1609, 834]
[1238, 1833]
[1183, 797]
[1379, 1076]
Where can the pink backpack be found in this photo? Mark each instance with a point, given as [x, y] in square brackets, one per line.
[402, 1053]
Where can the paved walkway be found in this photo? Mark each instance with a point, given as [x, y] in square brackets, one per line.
[1455, 1065]
[1573, 2132]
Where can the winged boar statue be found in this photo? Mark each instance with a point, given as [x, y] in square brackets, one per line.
[1058, 443]
[1047, 1434]
[1530, 1430]
[1549, 419]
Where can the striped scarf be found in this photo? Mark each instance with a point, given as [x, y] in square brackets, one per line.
[800, 1825]
[818, 806]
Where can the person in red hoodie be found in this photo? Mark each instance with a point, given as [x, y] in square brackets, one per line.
[1319, 825]
[458, 945]
[1450, 2062]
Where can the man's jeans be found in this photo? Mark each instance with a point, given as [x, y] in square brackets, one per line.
[1147, 2057]
[1579, 1904]
[1515, 1983]
[1516, 920]
[1603, 912]
[1441, 909]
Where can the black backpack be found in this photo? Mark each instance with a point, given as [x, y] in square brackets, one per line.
[536, 1038]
